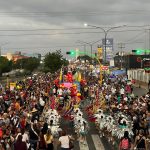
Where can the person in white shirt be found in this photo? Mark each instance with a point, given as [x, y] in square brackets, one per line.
[42, 104]
[113, 90]
[64, 141]
[122, 91]
[41, 101]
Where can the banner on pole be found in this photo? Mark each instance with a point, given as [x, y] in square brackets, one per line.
[12, 86]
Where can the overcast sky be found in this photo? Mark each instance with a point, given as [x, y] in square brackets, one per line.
[39, 26]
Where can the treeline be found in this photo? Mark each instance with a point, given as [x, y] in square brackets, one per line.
[52, 62]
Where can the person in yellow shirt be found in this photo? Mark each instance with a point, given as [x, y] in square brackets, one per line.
[48, 140]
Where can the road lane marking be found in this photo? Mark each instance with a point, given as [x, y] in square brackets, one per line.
[97, 142]
[83, 146]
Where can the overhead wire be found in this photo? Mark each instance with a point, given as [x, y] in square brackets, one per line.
[48, 47]
[135, 37]
[76, 13]
[66, 33]
[42, 29]
[46, 29]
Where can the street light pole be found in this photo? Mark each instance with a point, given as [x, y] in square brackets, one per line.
[106, 33]
[84, 52]
[105, 54]
[88, 43]
[91, 51]
[121, 46]
[91, 46]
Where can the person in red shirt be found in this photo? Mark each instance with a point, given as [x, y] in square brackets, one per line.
[23, 122]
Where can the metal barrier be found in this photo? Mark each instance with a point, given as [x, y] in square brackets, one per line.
[138, 75]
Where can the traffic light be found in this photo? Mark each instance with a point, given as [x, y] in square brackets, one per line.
[137, 51]
[71, 53]
[68, 53]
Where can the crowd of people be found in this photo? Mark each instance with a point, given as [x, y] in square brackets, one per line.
[117, 112]
[30, 114]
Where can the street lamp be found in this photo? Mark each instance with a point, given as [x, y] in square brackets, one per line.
[88, 43]
[91, 45]
[106, 33]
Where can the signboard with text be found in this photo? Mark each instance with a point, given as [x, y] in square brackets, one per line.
[109, 48]
[99, 52]
[104, 68]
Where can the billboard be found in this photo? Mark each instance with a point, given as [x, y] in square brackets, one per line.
[109, 48]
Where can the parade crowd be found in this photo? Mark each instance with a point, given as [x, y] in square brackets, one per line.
[31, 113]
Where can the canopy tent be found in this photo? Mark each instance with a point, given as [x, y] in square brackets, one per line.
[118, 72]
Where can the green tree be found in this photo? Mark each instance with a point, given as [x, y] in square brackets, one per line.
[20, 63]
[65, 62]
[28, 64]
[5, 65]
[54, 61]
[31, 63]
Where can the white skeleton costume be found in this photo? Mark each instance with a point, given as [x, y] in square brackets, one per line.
[53, 119]
[100, 121]
[116, 126]
[79, 121]
[124, 124]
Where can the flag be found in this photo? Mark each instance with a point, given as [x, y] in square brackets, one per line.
[79, 77]
[61, 75]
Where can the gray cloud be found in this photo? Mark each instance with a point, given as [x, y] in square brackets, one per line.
[58, 14]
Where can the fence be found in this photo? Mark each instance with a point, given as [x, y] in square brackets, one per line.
[139, 75]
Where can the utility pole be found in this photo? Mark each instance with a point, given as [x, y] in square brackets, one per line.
[121, 46]
[149, 40]
[105, 31]
[84, 49]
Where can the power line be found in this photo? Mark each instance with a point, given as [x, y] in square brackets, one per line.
[67, 13]
[48, 47]
[46, 29]
[60, 46]
[69, 33]
[135, 37]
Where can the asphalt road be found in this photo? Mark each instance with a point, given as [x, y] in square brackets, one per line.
[93, 140]
[139, 91]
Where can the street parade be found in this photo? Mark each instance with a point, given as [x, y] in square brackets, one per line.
[38, 105]
[75, 75]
